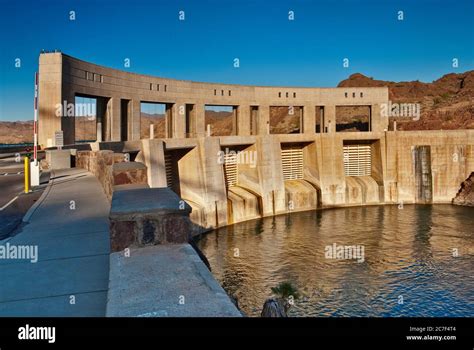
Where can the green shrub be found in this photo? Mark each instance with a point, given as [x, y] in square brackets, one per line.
[285, 289]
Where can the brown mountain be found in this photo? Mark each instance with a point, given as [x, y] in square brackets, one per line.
[221, 122]
[16, 132]
[446, 103]
[158, 120]
[285, 120]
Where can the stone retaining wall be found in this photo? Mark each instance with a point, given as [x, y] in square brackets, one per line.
[112, 169]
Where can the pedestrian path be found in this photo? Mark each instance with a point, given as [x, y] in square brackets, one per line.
[68, 229]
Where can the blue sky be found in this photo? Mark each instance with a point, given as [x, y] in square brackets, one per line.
[272, 50]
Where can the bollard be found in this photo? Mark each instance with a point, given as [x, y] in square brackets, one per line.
[27, 174]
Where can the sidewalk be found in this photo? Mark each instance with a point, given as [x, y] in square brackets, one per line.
[69, 226]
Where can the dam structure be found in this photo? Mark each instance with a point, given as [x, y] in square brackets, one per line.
[258, 164]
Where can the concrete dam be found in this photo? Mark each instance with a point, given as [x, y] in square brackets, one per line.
[252, 169]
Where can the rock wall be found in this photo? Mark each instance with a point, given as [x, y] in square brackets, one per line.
[112, 169]
[465, 196]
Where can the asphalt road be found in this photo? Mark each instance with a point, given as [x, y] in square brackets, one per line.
[13, 202]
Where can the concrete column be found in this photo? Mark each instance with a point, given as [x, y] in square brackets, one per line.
[179, 119]
[200, 120]
[270, 175]
[154, 159]
[309, 113]
[50, 96]
[235, 121]
[389, 148]
[216, 194]
[99, 126]
[330, 118]
[134, 120]
[378, 122]
[332, 176]
[169, 122]
[264, 120]
[253, 120]
[68, 123]
[114, 117]
[102, 108]
[243, 119]
[190, 118]
[129, 118]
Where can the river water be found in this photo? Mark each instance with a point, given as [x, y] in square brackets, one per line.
[417, 261]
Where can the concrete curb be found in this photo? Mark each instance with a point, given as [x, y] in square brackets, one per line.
[148, 282]
[31, 211]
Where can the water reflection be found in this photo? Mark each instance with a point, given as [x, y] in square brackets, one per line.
[408, 270]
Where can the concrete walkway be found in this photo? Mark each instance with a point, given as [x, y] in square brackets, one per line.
[165, 281]
[69, 227]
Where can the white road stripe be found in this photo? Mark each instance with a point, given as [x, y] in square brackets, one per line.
[6, 205]
[7, 174]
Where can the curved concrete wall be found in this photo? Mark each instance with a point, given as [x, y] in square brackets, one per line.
[62, 77]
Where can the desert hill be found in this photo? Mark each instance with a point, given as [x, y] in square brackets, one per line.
[446, 103]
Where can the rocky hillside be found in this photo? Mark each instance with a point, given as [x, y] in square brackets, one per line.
[157, 119]
[22, 131]
[284, 120]
[465, 196]
[221, 122]
[446, 103]
[16, 132]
